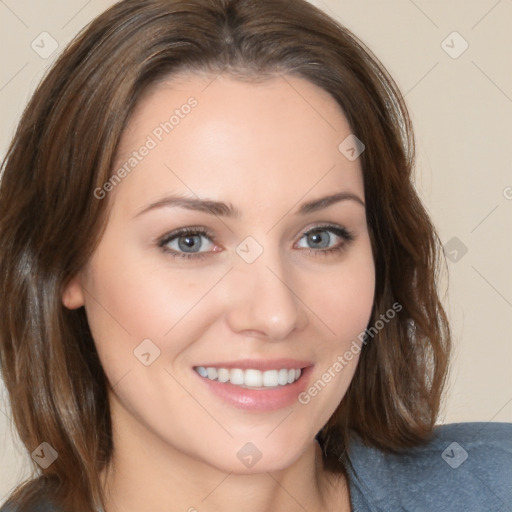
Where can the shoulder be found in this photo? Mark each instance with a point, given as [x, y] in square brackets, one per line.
[465, 466]
[35, 496]
[42, 506]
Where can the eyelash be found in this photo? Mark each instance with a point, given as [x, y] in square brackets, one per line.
[339, 231]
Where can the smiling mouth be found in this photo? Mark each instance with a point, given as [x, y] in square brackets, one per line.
[251, 378]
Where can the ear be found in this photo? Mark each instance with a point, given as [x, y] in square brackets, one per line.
[73, 295]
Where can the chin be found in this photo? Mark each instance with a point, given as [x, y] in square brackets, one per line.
[257, 456]
[270, 464]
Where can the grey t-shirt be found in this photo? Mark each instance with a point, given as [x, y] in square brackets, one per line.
[466, 467]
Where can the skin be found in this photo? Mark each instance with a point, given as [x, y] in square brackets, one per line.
[265, 148]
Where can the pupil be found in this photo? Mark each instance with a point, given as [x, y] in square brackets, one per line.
[188, 242]
[316, 239]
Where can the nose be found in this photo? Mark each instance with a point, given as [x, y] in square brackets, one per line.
[262, 300]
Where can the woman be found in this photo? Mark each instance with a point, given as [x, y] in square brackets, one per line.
[219, 284]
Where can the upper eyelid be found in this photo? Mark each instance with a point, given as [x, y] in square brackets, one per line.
[327, 227]
[181, 231]
[204, 231]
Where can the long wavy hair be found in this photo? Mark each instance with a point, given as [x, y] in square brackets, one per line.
[51, 222]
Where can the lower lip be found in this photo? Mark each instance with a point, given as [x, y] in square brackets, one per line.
[270, 399]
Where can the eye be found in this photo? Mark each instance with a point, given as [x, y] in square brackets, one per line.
[188, 242]
[326, 239]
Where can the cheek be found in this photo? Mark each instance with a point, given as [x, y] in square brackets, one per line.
[343, 299]
[348, 303]
[130, 299]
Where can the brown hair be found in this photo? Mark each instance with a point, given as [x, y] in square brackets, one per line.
[51, 222]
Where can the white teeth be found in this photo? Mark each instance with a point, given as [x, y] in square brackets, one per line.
[270, 378]
[236, 376]
[282, 377]
[251, 378]
[202, 371]
[222, 375]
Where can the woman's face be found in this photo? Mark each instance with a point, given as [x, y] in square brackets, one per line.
[274, 273]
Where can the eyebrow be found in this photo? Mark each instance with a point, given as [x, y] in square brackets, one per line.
[220, 209]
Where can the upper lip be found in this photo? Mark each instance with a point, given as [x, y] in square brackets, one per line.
[259, 364]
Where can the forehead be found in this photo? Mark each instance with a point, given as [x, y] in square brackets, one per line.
[213, 135]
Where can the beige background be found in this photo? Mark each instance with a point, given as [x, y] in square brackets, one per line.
[462, 111]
